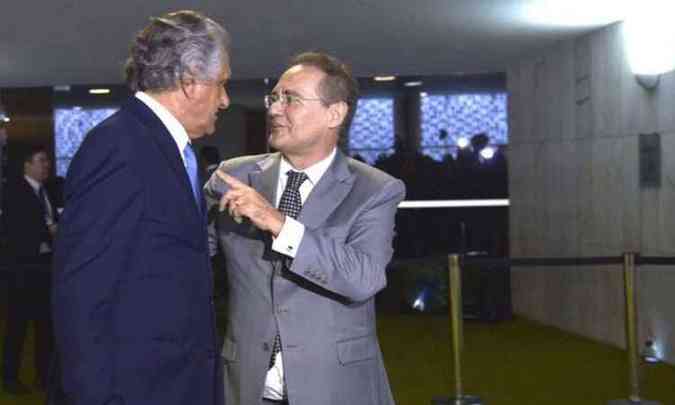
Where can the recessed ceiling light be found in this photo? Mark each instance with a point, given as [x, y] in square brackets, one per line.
[414, 83]
[384, 78]
[99, 91]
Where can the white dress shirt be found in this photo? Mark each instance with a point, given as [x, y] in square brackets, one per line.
[49, 214]
[287, 243]
[175, 128]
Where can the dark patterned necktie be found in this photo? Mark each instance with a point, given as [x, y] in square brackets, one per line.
[289, 204]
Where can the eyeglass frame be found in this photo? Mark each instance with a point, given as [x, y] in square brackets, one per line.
[286, 99]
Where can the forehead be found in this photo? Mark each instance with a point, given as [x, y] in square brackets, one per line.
[225, 71]
[300, 77]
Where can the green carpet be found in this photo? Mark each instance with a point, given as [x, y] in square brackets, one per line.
[508, 363]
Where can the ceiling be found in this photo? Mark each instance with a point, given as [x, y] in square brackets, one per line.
[61, 42]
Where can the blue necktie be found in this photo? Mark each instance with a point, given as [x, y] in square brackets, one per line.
[191, 167]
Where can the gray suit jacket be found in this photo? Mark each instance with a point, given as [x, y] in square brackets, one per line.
[323, 303]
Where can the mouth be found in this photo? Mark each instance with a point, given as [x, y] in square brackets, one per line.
[274, 126]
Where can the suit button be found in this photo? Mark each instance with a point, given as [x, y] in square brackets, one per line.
[282, 310]
[266, 347]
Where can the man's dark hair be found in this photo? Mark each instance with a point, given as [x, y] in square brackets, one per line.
[27, 153]
[338, 85]
[175, 47]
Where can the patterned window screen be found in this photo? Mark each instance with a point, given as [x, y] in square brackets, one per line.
[447, 117]
[70, 127]
[372, 132]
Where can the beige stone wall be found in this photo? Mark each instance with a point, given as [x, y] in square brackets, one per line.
[576, 113]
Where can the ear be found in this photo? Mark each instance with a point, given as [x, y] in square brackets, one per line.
[337, 113]
[188, 88]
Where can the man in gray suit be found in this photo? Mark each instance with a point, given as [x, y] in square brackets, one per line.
[307, 238]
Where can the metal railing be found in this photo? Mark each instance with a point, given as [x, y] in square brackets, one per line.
[628, 260]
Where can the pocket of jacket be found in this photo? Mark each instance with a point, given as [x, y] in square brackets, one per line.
[356, 349]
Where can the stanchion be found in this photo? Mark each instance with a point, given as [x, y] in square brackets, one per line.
[457, 337]
[631, 336]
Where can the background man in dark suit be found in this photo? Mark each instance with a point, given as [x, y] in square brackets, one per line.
[132, 300]
[30, 218]
[306, 246]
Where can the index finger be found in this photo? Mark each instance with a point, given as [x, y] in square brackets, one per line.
[230, 180]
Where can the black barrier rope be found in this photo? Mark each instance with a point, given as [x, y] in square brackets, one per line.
[566, 261]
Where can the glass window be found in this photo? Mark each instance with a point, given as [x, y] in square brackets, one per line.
[70, 127]
[372, 132]
[446, 118]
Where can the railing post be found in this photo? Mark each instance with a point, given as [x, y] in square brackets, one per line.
[631, 327]
[456, 325]
[632, 349]
[456, 336]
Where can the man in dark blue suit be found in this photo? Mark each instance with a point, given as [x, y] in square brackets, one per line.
[132, 289]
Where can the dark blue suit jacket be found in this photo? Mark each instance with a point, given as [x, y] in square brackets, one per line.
[132, 285]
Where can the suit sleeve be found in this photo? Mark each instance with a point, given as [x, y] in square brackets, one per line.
[213, 190]
[353, 265]
[94, 245]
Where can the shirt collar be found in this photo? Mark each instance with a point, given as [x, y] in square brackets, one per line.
[33, 183]
[314, 172]
[175, 128]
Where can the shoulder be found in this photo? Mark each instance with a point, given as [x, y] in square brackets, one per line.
[16, 188]
[117, 133]
[245, 164]
[373, 178]
[116, 128]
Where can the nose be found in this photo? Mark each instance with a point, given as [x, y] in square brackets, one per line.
[275, 108]
[224, 100]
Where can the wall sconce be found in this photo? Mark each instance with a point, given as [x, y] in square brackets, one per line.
[648, 34]
[648, 82]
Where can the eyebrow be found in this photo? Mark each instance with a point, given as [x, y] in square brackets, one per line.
[292, 92]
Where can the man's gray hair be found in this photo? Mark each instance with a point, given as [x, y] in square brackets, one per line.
[179, 46]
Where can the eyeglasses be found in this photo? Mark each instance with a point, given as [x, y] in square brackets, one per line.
[286, 99]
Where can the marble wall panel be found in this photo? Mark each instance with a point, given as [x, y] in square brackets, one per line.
[575, 189]
[665, 103]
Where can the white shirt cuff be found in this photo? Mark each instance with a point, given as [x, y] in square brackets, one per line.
[288, 240]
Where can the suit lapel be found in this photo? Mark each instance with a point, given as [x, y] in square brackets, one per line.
[31, 197]
[163, 139]
[266, 179]
[326, 195]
